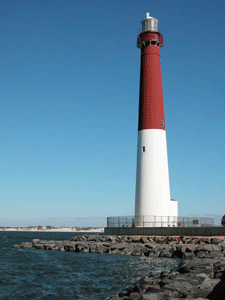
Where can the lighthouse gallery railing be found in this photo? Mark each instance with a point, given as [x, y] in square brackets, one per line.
[159, 221]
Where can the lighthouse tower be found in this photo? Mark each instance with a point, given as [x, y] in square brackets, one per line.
[153, 206]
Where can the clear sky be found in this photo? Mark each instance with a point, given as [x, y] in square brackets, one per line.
[69, 107]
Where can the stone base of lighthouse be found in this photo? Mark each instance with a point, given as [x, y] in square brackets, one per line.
[153, 206]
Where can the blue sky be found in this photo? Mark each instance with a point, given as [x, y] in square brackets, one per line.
[69, 108]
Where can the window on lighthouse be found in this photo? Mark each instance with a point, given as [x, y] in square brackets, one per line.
[143, 149]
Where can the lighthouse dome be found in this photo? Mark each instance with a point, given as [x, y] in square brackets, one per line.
[149, 23]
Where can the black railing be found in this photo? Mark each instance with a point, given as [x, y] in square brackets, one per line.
[159, 221]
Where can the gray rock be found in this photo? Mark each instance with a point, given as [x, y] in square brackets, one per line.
[106, 244]
[39, 246]
[182, 287]
[115, 251]
[148, 279]
[216, 241]
[79, 247]
[219, 269]
[134, 296]
[166, 252]
[127, 239]
[35, 241]
[156, 296]
[152, 288]
[123, 294]
[38, 242]
[92, 238]
[189, 255]
[184, 267]
[101, 249]
[92, 248]
[209, 284]
[150, 245]
[70, 247]
[27, 245]
[137, 252]
[136, 239]
[111, 239]
[210, 248]
[143, 240]
[79, 238]
[51, 246]
[128, 250]
[219, 290]
[202, 275]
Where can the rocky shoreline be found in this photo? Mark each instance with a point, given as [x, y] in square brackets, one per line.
[200, 274]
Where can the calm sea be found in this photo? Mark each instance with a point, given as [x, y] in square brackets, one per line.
[43, 274]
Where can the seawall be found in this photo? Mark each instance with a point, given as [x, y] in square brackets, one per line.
[166, 231]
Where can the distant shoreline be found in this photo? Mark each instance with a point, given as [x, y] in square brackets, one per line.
[56, 229]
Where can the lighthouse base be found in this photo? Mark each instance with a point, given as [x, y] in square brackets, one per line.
[155, 221]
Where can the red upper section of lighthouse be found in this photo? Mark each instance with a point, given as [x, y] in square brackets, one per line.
[151, 109]
[148, 37]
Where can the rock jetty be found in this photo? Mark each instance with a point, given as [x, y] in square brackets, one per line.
[200, 274]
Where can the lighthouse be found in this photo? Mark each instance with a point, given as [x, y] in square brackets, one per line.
[153, 206]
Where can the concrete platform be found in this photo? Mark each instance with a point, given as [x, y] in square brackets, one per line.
[166, 231]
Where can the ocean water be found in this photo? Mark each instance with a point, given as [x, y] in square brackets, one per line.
[44, 274]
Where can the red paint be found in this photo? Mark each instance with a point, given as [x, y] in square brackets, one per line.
[151, 36]
[151, 109]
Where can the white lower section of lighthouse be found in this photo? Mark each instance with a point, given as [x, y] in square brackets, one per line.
[153, 206]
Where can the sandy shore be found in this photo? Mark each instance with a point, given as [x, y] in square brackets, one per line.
[63, 229]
